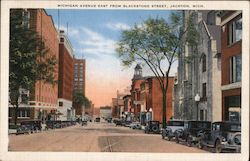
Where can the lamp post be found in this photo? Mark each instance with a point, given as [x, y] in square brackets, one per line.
[197, 99]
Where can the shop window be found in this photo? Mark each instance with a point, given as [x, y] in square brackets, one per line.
[235, 31]
[235, 69]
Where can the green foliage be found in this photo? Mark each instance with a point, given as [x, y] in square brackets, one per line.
[157, 43]
[29, 60]
[80, 99]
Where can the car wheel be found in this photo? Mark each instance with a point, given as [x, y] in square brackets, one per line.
[218, 146]
[200, 145]
[189, 142]
[176, 139]
[168, 138]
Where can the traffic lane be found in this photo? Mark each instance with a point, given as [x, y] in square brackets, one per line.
[143, 143]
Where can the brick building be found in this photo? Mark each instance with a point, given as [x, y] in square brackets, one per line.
[231, 51]
[146, 97]
[43, 98]
[79, 82]
[79, 75]
[65, 82]
[152, 99]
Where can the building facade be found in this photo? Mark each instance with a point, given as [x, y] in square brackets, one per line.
[79, 75]
[231, 64]
[79, 82]
[43, 98]
[65, 82]
[197, 94]
[106, 112]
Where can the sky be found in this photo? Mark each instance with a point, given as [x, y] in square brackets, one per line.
[93, 35]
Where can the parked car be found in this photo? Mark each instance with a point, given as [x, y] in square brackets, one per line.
[97, 119]
[192, 132]
[118, 122]
[126, 123]
[152, 127]
[224, 135]
[23, 129]
[172, 126]
[135, 125]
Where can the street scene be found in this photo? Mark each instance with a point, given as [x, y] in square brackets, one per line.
[154, 81]
[101, 137]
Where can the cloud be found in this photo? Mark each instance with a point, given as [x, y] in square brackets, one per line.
[118, 26]
[96, 43]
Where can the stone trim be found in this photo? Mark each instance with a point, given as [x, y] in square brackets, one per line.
[231, 86]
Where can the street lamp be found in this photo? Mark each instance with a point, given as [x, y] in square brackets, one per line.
[197, 99]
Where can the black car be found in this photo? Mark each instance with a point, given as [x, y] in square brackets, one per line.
[224, 135]
[172, 126]
[152, 127]
[118, 122]
[192, 132]
[98, 119]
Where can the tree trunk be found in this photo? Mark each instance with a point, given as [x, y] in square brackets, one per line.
[15, 113]
[164, 107]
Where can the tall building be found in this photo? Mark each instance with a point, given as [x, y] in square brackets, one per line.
[231, 64]
[65, 82]
[79, 75]
[43, 98]
[197, 94]
[79, 82]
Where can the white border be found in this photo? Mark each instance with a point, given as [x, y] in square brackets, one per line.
[41, 156]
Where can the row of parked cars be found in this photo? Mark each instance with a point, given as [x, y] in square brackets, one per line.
[217, 135]
[37, 126]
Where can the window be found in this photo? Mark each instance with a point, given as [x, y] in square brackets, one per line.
[204, 90]
[26, 19]
[235, 69]
[204, 63]
[235, 31]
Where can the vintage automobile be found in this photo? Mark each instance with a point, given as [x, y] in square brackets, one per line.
[192, 131]
[172, 126]
[98, 119]
[23, 129]
[135, 125]
[152, 127]
[223, 136]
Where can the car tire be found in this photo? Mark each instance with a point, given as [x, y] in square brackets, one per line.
[155, 129]
[176, 139]
[218, 147]
[189, 142]
[168, 138]
[200, 145]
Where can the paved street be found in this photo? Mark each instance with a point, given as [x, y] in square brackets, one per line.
[96, 137]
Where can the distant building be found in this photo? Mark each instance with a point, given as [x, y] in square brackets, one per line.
[231, 64]
[118, 106]
[197, 94]
[79, 82]
[43, 99]
[106, 112]
[96, 112]
[65, 82]
[146, 97]
[79, 75]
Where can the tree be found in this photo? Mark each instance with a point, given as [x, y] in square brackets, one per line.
[79, 99]
[157, 43]
[29, 60]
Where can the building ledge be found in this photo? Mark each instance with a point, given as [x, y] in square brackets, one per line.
[231, 86]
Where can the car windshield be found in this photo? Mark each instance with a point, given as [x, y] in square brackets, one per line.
[175, 123]
[203, 125]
